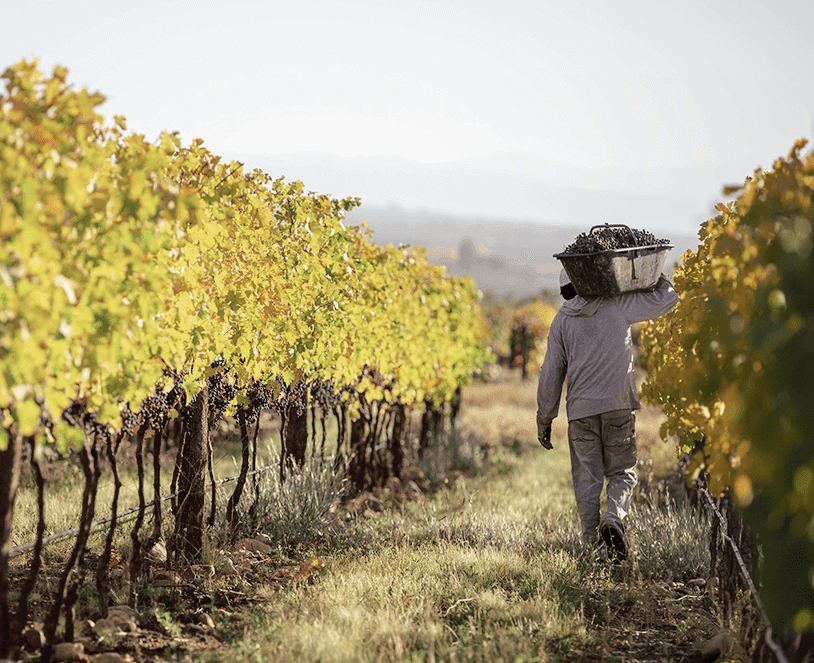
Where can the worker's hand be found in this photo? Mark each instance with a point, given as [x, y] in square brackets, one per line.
[544, 436]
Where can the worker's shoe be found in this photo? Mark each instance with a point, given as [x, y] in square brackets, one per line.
[614, 540]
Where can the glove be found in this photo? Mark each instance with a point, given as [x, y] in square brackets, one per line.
[544, 436]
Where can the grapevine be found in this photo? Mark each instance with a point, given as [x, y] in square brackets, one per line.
[143, 281]
[202, 263]
[730, 367]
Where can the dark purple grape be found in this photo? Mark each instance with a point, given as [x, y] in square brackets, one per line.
[610, 238]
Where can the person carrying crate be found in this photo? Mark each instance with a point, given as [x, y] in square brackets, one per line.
[590, 343]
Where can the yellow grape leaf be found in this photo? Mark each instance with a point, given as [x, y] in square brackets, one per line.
[56, 401]
[27, 414]
[67, 436]
[242, 373]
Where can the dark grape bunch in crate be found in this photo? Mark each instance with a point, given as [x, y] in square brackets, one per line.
[609, 237]
[612, 259]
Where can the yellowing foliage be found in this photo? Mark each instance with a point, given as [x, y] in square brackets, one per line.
[532, 322]
[122, 260]
[732, 364]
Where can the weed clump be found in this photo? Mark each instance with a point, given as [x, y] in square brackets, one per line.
[671, 541]
[300, 509]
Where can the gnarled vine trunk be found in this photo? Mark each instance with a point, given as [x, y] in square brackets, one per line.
[295, 437]
[188, 537]
[359, 435]
[396, 442]
[11, 460]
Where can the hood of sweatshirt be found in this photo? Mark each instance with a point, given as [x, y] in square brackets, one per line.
[581, 308]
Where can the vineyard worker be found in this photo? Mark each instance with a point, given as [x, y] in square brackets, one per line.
[590, 343]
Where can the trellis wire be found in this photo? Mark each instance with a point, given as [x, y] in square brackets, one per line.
[778, 651]
[55, 537]
[16, 550]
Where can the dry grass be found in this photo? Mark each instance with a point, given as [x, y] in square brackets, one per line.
[505, 411]
[487, 570]
[510, 392]
[491, 569]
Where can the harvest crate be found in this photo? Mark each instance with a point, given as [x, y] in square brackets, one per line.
[615, 271]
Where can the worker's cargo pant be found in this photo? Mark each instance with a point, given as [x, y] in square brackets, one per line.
[603, 446]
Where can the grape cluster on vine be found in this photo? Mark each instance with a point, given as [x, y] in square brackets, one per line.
[290, 396]
[76, 414]
[612, 237]
[130, 421]
[154, 410]
[221, 392]
[259, 396]
[324, 393]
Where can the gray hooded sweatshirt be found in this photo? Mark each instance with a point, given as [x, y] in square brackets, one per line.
[590, 342]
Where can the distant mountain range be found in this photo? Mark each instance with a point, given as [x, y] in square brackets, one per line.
[515, 187]
[502, 257]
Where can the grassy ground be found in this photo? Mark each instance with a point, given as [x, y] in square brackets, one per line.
[490, 570]
[485, 567]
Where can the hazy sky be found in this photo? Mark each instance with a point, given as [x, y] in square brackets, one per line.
[491, 108]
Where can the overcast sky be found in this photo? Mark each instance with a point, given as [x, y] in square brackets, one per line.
[496, 108]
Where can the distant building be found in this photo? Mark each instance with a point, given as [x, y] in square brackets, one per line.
[472, 255]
